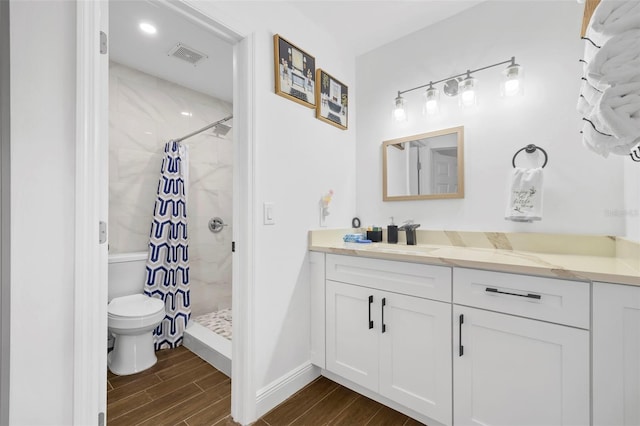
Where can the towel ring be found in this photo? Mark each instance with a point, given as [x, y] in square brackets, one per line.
[530, 149]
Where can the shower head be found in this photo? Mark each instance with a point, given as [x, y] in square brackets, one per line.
[221, 129]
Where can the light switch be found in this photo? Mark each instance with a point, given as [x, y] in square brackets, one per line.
[269, 214]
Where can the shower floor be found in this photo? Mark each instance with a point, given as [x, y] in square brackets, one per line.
[219, 322]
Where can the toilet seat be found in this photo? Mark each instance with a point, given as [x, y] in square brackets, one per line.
[135, 305]
[134, 311]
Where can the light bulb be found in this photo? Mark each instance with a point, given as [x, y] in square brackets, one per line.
[432, 98]
[432, 107]
[512, 82]
[400, 110]
[468, 95]
[511, 87]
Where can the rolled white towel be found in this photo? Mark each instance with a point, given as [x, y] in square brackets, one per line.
[603, 144]
[589, 51]
[613, 17]
[619, 110]
[588, 99]
[617, 61]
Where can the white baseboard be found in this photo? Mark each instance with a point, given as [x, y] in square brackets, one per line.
[280, 389]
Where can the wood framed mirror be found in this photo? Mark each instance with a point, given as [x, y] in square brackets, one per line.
[426, 166]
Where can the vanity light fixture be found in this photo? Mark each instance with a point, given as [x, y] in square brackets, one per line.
[464, 85]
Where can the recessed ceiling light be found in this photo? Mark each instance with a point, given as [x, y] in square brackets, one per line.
[186, 113]
[147, 28]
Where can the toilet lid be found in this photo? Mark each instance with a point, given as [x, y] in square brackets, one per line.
[136, 305]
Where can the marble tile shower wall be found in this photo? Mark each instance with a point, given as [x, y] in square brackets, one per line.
[144, 113]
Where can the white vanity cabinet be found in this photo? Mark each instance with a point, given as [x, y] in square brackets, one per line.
[383, 337]
[616, 354]
[530, 366]
[459, 346]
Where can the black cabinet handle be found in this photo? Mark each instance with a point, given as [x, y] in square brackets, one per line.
[529, 295]
[460, 347]
[384, 302]
[370, 321]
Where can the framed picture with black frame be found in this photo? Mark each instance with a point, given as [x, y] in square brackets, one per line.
[332, 100]
[295, 71]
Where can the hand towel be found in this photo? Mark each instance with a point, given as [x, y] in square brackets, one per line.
[613, 17]
[524, 200]
[617, 61]
[619, 110]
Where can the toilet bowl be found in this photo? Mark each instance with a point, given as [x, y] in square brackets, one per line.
[132, 319]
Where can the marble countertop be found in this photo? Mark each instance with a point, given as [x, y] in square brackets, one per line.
[573, 257]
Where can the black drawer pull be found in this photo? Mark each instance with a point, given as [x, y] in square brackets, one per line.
[529, 295]
[460, 347]
[370, 321]
[384, 326]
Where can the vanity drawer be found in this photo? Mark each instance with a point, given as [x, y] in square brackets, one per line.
[414, 279]
[547, 299]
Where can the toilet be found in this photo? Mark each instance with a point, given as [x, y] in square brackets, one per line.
[132, 316]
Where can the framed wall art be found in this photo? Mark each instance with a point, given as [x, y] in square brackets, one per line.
[295, 71]
[332, 100]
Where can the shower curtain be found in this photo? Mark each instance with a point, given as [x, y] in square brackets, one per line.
[167, 275]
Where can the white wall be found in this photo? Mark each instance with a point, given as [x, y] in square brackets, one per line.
[580, 187]
[298, 159]
[631, 211]
[144, 114]
[42, 211]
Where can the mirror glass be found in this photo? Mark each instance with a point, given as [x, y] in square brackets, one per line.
[425, 166]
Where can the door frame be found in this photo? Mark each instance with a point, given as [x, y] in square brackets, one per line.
[5, 175]
[91, 258]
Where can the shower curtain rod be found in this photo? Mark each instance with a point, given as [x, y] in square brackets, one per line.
[207, 127]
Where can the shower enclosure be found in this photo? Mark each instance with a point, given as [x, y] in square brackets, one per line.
[145, 112]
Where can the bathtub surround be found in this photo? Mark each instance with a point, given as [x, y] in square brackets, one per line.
[146, 112]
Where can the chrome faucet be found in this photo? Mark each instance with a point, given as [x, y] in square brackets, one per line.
[410, 228]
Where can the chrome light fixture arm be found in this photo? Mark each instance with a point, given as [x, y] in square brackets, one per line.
[511, 62]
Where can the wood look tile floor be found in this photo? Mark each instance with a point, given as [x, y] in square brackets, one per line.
[182, 389]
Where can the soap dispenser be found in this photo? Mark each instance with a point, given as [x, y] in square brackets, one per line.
[392, 233]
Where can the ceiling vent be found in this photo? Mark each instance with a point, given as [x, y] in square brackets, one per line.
[187, 54]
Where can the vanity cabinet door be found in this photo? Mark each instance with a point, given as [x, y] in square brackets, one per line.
[352, 332]
[415, 354]
[616, 354]
[516, 371]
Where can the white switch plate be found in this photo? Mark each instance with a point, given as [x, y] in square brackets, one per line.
[269, 214]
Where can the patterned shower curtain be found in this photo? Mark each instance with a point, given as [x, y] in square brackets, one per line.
[168, 261]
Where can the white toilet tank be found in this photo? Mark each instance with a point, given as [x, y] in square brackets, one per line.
[127, 273]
